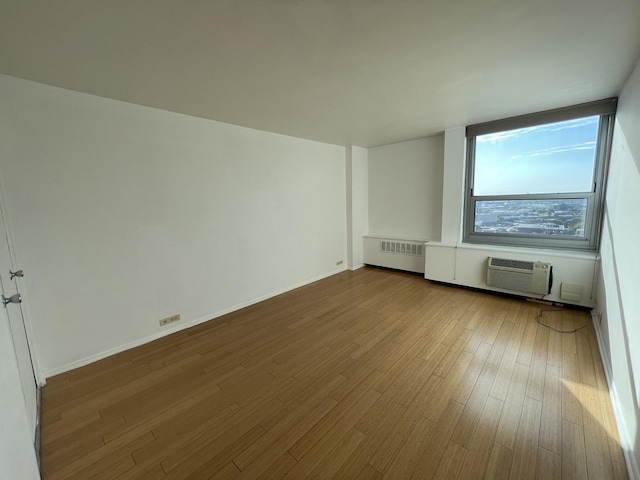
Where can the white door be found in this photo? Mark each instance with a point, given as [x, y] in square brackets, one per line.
[17, 452]
[9, 288]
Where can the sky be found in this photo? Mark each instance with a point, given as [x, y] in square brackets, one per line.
[552, 158]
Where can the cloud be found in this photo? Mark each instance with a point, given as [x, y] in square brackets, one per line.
[555, 150]
[549, 127]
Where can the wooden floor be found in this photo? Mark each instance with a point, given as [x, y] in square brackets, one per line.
[372, 374]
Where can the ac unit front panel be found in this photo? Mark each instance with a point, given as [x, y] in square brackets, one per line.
[510, 280]
[540, 278]
[534, 280]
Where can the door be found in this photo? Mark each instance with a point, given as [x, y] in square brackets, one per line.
[13, 310]
[17, 453]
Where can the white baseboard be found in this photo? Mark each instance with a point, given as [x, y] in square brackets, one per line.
[183, 326]
[356, 267]
[623, 431]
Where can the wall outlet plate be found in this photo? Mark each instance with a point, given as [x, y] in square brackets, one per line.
[339, 262]
[168, 320]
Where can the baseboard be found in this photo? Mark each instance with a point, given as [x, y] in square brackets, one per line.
[623, 431]
[356, 267]
[183, 326]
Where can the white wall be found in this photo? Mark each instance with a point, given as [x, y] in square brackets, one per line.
[405, 189]
[123, 215]
[466, 264]
[357, 204]
[453, 185]
[618, 296]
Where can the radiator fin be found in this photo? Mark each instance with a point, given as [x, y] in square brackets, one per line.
[402, 248]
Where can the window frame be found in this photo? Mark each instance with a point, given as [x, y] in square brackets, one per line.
[605, 109]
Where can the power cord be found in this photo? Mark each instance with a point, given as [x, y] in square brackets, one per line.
[539, 320]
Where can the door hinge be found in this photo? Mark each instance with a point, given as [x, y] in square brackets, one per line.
[15, 298]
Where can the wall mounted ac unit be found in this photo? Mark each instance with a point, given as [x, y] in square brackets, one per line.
[520, 276]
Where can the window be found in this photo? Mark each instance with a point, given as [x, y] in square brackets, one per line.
[538, 180]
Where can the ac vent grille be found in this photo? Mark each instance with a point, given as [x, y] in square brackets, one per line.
[520, 282]
[505, 262]
[402, 248]
[520, 276]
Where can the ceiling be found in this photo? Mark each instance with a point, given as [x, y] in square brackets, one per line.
[362, 72]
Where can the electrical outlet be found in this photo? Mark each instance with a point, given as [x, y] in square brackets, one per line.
[339, 262]
[168, 320]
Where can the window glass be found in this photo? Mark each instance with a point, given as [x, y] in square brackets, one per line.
[538, 180]
[553, 158]
[560, 217]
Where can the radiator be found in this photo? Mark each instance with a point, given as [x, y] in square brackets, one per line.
[402, 254]
[519, 276]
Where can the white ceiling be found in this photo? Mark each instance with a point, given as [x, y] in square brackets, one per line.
[362, 72]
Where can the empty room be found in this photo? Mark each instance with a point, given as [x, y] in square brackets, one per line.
[290, 239]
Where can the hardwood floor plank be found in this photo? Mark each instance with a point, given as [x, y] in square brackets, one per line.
[500, 343]
[574, 457]
[468, 382]
[368, 374]
[215, 456]
[170, 449]
[404, 358]
[408, 383]
[263, 453]
[474, 410]
[367, 473]
[327, 457]
[405, 459]
[508, 361]
[435, 446]
[278, 469]
[549, 465]
[554, 354]
[137, 472]
[380, 418]
[481, 441]
[550, 423]
[500, 460]
[447, 387]
[117, 460]
[454, 353]
[343, 417]
[585, 360]
[617, 460]
[73, 451]
[595, 437]
[396, 439]
[525, 352]
[571, 406]
[510, 419]
[525, 453]
[451, 462]
[569, 339]
[535, 385]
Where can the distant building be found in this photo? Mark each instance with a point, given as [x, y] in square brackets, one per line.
[540, 228]
[485, 218]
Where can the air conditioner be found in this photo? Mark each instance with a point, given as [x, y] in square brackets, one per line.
[520, 276]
